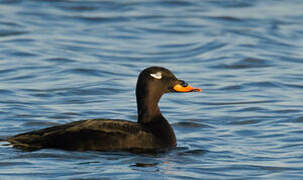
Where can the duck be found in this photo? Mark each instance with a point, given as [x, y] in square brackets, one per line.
[151, 131]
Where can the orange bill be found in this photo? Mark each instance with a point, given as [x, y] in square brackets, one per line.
[180, 88]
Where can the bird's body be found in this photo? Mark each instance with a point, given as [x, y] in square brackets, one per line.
[94, 134]
[152, 131]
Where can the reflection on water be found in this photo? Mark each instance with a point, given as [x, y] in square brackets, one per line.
[62, 61]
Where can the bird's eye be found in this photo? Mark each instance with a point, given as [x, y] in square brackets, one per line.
[157, 75]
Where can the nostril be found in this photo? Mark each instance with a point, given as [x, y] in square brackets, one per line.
[183, 83]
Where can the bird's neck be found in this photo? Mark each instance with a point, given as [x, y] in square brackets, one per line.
[148, 109]
[150, 117]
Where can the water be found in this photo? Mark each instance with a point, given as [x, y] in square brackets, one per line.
[62, 61]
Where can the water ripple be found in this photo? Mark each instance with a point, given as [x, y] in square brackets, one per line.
[62, 61]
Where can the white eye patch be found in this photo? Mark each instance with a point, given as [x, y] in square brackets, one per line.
[157, 75]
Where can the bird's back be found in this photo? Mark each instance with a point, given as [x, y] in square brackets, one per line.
[94, 134]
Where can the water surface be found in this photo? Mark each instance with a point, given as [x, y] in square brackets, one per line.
[62, 61]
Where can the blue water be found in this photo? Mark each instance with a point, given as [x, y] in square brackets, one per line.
[62, 61]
